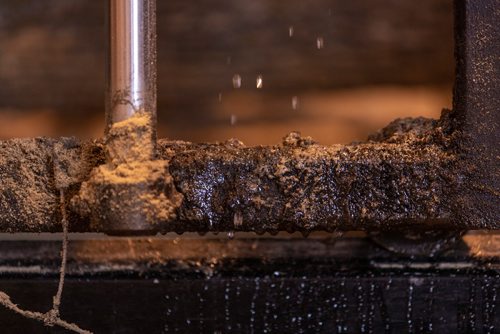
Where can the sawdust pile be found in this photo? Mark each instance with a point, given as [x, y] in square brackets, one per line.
[26, 187]
[132, 191]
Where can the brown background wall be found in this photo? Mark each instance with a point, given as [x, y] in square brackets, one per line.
[52, 62]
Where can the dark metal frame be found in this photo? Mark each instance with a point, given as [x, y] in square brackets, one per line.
[250, 286]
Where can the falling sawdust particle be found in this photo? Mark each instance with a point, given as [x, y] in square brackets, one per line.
[50, 318]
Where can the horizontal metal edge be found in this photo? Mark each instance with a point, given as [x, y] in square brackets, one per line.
[209, 254]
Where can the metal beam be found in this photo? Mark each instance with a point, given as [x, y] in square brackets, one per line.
[204, 284]
[476, 109]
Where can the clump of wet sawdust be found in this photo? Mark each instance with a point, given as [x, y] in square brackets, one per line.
[26, 188]
[132, 185]
[404, 130]
[130, 141]
[52, 317]
[294, 139]
[32, 170]
[400, 174]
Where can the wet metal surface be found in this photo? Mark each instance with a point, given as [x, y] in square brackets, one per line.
[317, 285]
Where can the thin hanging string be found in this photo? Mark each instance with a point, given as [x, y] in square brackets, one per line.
[51, 318]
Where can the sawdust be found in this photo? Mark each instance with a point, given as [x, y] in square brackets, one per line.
[129, 173]
[130, 141]
[158, 207]
[32, 170]
[26, 186]
[132, 190]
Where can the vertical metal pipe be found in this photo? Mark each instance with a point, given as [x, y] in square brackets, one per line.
[130, 95]
[131, 67]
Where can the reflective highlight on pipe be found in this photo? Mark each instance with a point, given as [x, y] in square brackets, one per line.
[131, 68]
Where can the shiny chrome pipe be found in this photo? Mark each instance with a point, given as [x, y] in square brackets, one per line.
[131, 68]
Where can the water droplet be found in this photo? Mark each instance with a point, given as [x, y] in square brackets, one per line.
[259, 81]
[319, 43]
[236, 81]
[156, 281]
[176, 241]
[234, 119]
[238, 219]
[252, 305]
[295, 103]
[230, 235]
[290, 31]
[409, 309]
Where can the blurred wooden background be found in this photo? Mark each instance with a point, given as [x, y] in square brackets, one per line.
[380, 59]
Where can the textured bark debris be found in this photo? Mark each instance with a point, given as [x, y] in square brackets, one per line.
[28, 195]
[404, 176]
